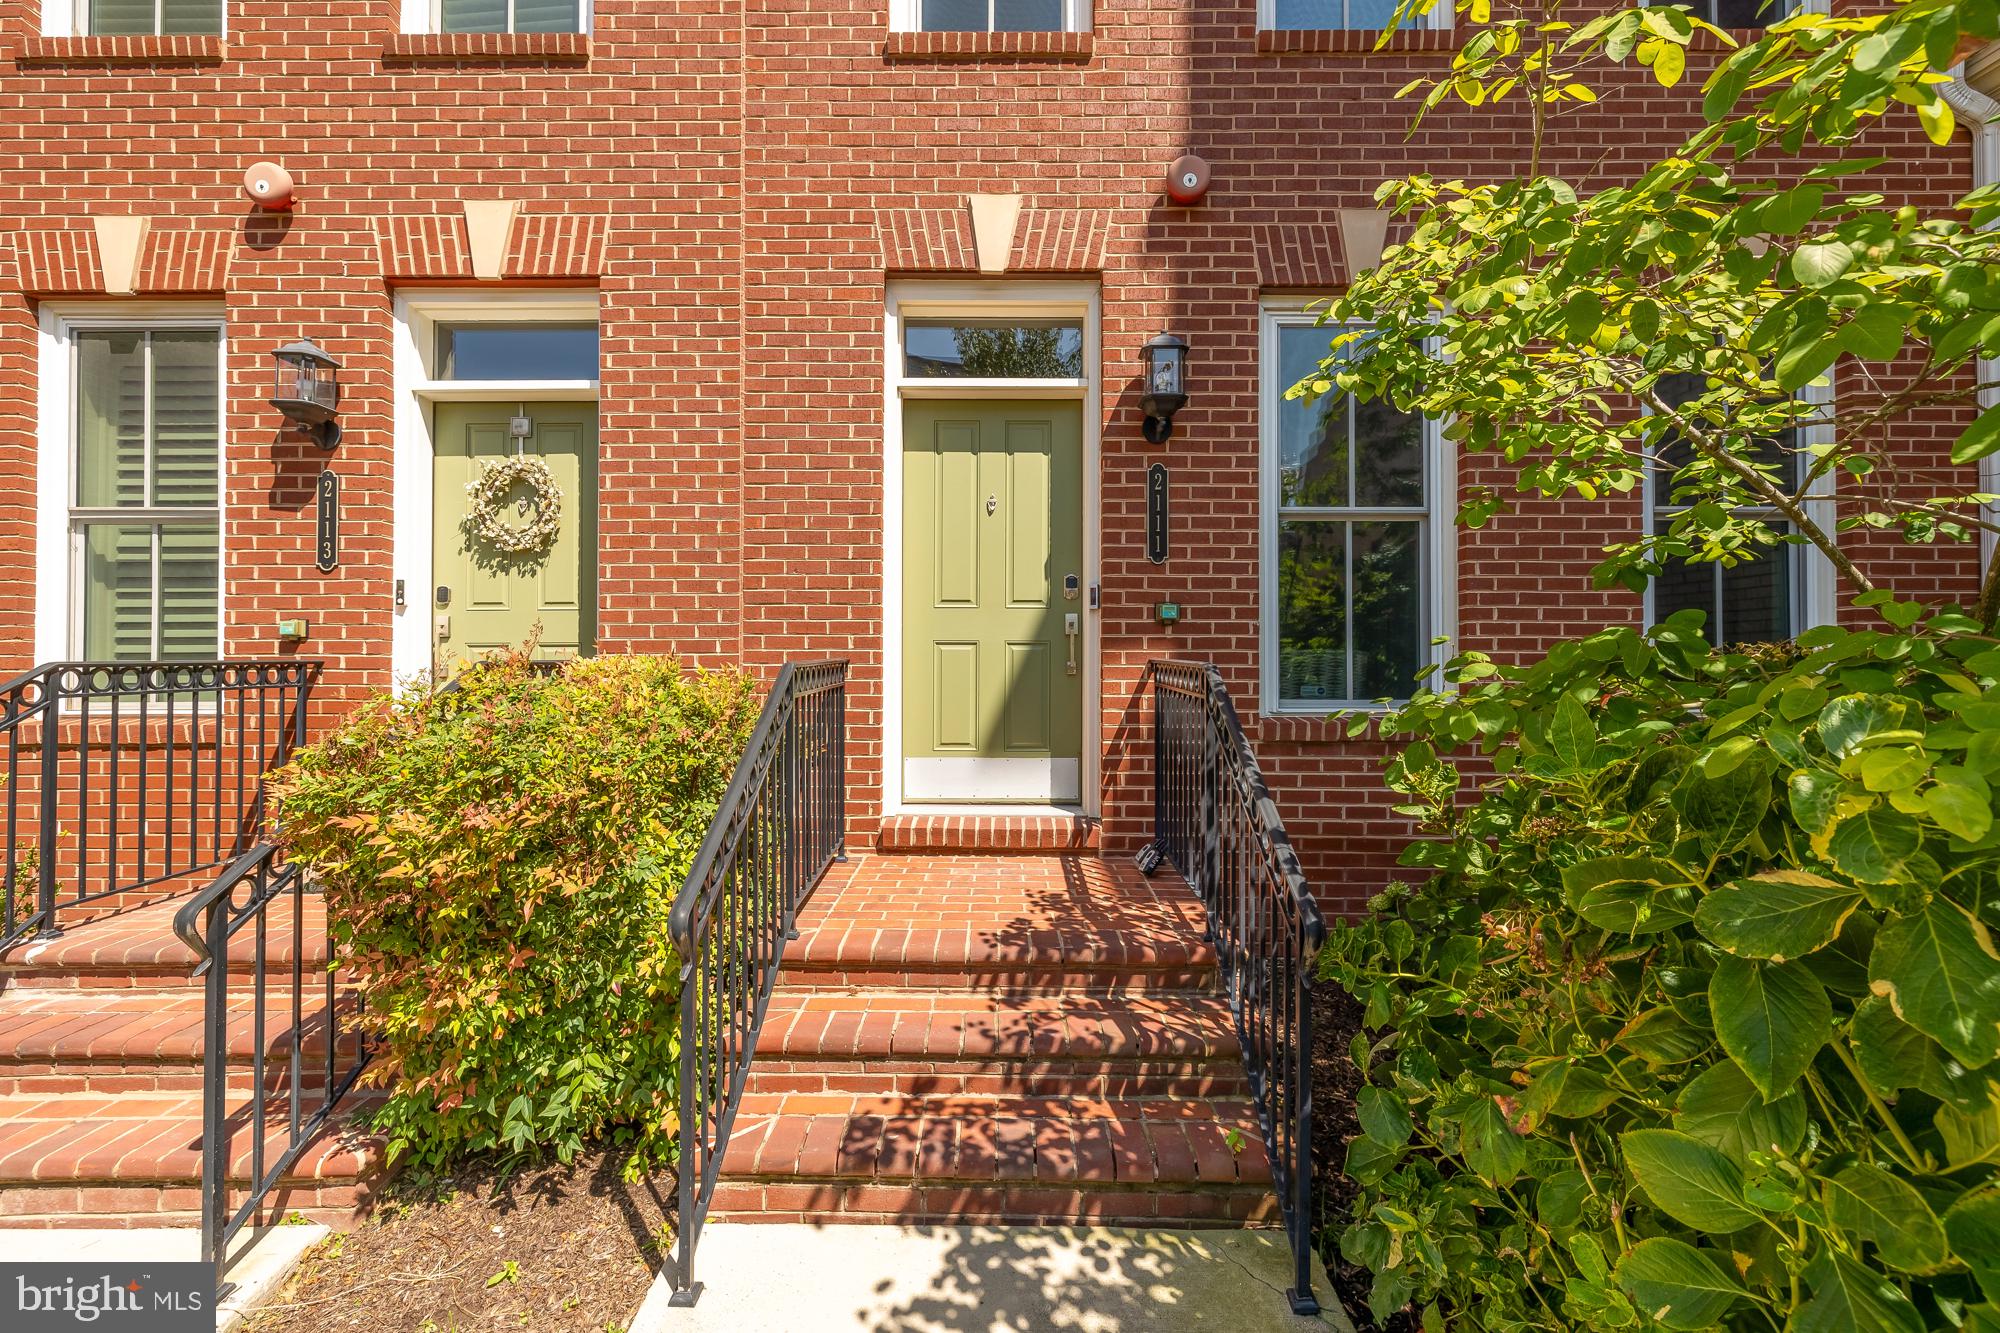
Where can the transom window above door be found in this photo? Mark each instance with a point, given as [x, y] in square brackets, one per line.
[149, 18]
[990, 15]
[528, 351]
[510, 15]
[993, 349]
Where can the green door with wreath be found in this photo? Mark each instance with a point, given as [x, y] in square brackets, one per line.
[486, 597]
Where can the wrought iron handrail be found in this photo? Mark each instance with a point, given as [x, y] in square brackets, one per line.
[241, 900]
[781, 823]
[125, 776]
[1215, 821]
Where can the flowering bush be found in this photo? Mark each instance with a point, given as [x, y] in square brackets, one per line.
[1695, 1022]
[498, 862]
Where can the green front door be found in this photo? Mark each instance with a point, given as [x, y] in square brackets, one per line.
[993, 615]
[486, 600]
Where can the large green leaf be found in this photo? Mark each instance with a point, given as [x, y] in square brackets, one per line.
[1689, 1181]
[1570, 1090]
[1677, 1284]
[1489, 1144]
[1875, 845]
[1815, 798]
[1971, 1138]
[1723, 811]
[1772, 1018]
[1777, 915]
[1664, 1037]
[1888, 1213]
[1384, 1116]
[1892, 1055]
[1572, 736]
[1939, 969]
[1629, 894]
[1973, 1226]
[1723, 1108]
[1848, 1297]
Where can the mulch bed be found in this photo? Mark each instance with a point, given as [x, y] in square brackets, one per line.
[548, 1248]
[1336, 1018]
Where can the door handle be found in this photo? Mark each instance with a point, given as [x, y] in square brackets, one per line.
[443, 627]
[1072, 625]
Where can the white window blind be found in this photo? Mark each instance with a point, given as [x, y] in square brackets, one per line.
[145, 514]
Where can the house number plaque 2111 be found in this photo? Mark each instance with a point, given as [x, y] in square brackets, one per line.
[326, 533]
[1156, 513]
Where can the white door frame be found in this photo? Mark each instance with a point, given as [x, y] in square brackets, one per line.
[418, 314]
[986, 299]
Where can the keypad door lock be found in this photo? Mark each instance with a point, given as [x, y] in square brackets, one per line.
[443, 595]
[1072, 588]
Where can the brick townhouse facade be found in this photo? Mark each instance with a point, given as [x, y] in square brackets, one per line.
[757, 280]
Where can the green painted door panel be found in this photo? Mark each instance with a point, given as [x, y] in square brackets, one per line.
[498, 601]
[992, 521]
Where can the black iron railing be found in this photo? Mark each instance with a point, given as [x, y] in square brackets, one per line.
[125, 777]
[257, 931]
[1214, 820]
[780, 825]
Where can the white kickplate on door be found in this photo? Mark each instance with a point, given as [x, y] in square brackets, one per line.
[1053, 780]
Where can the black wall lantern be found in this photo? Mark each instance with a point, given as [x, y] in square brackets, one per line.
[308, 390]
[1165, 391]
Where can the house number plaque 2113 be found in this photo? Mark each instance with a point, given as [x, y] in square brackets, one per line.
[326, 530]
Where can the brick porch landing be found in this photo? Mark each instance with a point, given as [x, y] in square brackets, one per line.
[1009, 1038]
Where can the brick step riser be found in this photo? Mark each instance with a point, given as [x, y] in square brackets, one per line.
[127, 977]
[1004, 980]
[1040, 1202]
[1001, 1079]
[68, 1204]
[111, 1080]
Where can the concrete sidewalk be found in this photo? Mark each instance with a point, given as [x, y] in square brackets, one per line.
[259, 1259]
[930, 1279]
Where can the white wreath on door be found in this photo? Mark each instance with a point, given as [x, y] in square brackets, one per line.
[541, 508]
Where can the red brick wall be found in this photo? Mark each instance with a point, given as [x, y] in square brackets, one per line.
[739, 160]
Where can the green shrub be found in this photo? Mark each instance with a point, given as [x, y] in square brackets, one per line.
[1694, 1023]
[498, 864]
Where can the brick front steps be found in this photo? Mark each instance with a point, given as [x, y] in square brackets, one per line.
[101, 1046]
[1008, 1038]
[135, 1159]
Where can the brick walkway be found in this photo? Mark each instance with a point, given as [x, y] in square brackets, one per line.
[1001, 1038]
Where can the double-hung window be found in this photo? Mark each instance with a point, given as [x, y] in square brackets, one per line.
[145, 531]
[1353, 565]
[1766, 599]
[1364, 15]
[509, 15]
[148, 18]
[1744, 13]
[990, 15]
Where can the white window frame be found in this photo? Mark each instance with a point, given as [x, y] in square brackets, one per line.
[71, 18]
[58, 539]
[1815, 584]
[909, 300]
[418, 312]
[1437, 20]
[427, 16]
[1437, 547]
[908, 15]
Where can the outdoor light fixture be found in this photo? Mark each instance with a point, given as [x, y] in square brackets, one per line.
[1165, 390]
[308, 390]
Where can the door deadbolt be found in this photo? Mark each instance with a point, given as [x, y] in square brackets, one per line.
[443, 595]
[1071, 588]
